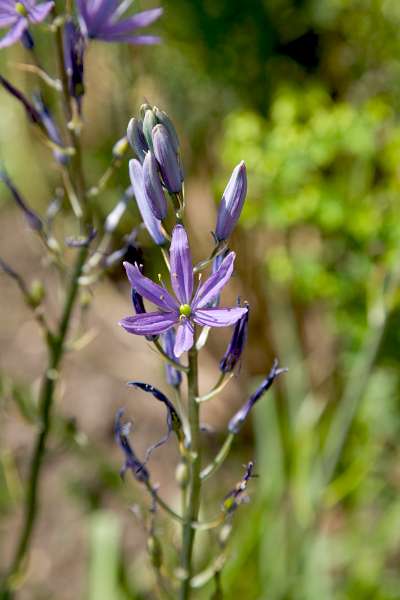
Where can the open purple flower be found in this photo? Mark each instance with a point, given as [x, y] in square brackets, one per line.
[186, 308]
[18, 16]
[100, 19]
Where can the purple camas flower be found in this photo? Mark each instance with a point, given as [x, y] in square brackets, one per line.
[239, 418]
[236, 345]
[153, 225]
[232, 202]
[100, 19]
[18, 16]
[186, 309]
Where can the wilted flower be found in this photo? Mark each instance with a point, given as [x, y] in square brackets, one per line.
[239, 418]
[74, 49]
[236, 345]
[122, 431]
[153, 225]
[34, 221]
[18, 16]
[174, 377]
[100, 19]
[238, 495]
[30, 110]
[174, 422]
[52, 130]
[187, 308]
[232, 202]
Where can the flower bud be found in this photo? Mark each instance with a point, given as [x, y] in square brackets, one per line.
[167, 159]
[155, 551]
[182, 475]
[136, 138]
[236, 345]
[164, 119]
[153, 187]
[149, 121]
[120, 148]
[232, 202]
[152, 224]
[36, 293]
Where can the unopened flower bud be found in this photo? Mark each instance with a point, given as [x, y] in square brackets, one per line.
[149, 121]
[36, 293]
[155, 551]
[143, 108]
[164, 119]
[136, 138]
[153, 187]
[232, 202]
[182, 475]
[120, 147]
[152, 224]
[167, 159]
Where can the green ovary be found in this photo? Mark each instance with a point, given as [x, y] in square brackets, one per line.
[21, 10]
[185, 310]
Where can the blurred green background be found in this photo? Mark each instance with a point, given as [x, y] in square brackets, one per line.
[307, 93]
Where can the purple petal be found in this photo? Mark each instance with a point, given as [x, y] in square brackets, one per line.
[15, 33]
[232, 202]
[38, 13]
[150, 290]
[149, 323]
[125, 26]
[218, 317]
[184, 337]
[7, 19]
[214, 284]
[100, 11]
[181, 265]
[140, 40]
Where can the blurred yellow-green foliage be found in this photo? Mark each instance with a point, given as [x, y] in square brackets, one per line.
[307, 93]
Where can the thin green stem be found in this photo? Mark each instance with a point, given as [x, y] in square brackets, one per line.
[193, 504]
[213, 467]
[168, 359]
[223, 380]
[46, 398]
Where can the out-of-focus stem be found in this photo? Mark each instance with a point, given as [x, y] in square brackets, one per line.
[218, 387]
[213, 467]
[56, 351]
[168, 359]
[193, 503]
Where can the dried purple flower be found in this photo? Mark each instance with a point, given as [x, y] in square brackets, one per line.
[236, 345]
[239, 418]
[18, 16]
[52, 130]
[167, 158]
[232, 202]
[74, 49]
[174, 422]
[153, 187]
[186, 308]
[34, 221]
[30, 110]
[174, 377]
[122, 431]
[100, 19]
[238, 495]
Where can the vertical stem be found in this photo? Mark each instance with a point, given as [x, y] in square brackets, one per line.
[56, 350]
[193, 503]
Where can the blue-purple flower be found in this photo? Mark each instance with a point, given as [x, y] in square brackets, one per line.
[101, 20]
[239, 418]
[18, 16]
[187, 308]
[231, 203]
